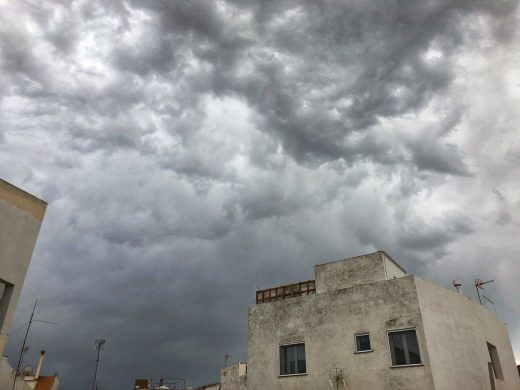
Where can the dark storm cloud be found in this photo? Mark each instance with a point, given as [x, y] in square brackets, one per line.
[423, 236]
[17, 53]
[320, 76]
[431, 152]
[190, 150]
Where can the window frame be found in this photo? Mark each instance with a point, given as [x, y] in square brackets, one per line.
[281, 347]
[407, 358]
[356, 350]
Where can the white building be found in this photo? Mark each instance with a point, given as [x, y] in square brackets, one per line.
[21, 215]
[38, 382]
[363, 323]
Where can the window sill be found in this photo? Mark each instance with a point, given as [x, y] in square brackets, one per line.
[288, 375]
[408, 365]
[368, 350]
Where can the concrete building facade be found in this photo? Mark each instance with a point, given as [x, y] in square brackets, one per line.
[234, 377]
[21, 215]
[363, 323]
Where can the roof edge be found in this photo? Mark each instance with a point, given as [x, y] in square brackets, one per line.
[22, 199]
[393, 261]
[348, 258]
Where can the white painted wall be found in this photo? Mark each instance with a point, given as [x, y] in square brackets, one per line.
[457, 330]
[21, 215]
[392, 270]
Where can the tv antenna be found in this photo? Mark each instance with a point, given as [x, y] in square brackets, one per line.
[24, 349]
[99, 346]
[336, 377]
[479, 285]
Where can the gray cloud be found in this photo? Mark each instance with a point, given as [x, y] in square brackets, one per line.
[190, 151]
[421, 236]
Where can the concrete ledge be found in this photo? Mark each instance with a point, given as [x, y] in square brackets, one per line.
[408, 365]
[290, 375]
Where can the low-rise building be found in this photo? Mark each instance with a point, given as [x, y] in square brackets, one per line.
[39, 382]
[234, 377]
[21, 215]
[364, 323]
[162, 384]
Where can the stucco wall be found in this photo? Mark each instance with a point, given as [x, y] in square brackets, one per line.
[349, 272]
[21, 215]
[327, 323]
[457, 330]
[233, 377]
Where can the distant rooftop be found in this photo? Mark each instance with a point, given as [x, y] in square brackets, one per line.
[45, 383]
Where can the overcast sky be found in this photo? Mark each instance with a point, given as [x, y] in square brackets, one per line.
[193, 150]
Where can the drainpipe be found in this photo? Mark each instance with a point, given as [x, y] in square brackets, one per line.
[39, 366]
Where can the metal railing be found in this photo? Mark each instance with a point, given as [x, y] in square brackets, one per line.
[287, 291]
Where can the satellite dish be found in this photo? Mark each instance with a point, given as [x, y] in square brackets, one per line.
[27, 371]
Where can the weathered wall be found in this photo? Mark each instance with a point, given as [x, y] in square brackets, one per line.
[327, 323]
[457, 330]
[233, 377]
[349, 272]
[21, 215]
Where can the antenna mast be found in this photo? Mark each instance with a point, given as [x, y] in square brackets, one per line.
[479, 285]
[99, 345]
[23, 345]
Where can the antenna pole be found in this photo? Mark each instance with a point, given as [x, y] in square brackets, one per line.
[480, 284]
[99, 345]
[478, 293]
[23, 345]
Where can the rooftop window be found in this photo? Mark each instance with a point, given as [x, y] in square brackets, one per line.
[404, 347]
[292, 359]
[363, 343]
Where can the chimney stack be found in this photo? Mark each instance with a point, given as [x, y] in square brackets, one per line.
[457, 284]
[39, 366]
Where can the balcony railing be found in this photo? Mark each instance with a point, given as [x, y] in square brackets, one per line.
[287, 291]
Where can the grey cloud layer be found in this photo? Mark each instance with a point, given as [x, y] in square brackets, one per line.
[191, 150]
